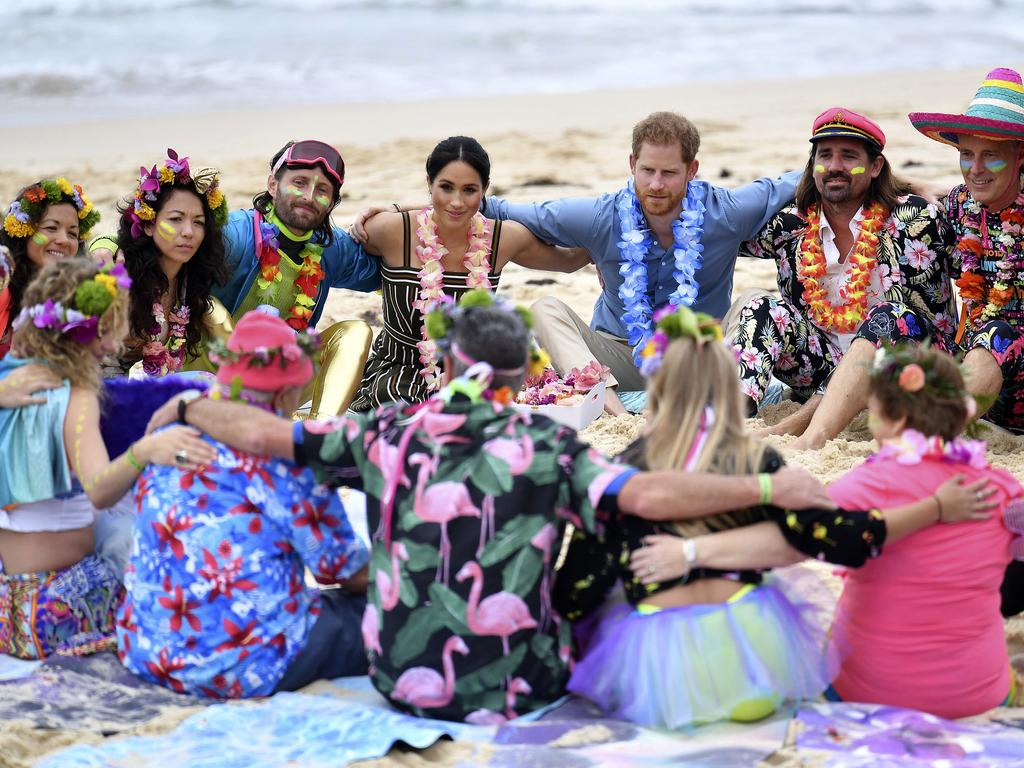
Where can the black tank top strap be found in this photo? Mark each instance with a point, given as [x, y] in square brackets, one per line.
[495, 242]
[406, 239]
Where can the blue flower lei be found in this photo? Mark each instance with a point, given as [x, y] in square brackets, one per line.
[634, 245]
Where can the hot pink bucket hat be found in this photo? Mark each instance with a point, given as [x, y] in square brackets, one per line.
[264, 354]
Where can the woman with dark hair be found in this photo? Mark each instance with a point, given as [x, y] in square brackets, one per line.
[48, 220]
[446, 248]
[170, 239]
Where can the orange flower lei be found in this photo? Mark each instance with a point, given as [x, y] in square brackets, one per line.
[811, 269]
[307, 284]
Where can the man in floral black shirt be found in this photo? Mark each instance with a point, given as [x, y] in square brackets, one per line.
[860, 262]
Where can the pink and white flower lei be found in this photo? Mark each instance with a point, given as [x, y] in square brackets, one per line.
[430, 250]
[549, 389]
[912, 447]
[160, 358]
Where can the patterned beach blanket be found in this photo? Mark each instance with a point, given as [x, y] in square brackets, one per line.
[85, 693]
[346, 721]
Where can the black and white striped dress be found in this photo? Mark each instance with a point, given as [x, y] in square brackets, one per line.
[393, 373]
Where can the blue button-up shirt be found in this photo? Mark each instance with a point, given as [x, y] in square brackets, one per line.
[731, 216]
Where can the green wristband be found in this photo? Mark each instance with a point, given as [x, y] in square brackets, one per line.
[765, 481]
[130, 457]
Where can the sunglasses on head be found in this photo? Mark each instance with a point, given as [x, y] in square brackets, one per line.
[310, 153]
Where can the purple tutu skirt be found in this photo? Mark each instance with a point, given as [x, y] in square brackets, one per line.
[678, 667]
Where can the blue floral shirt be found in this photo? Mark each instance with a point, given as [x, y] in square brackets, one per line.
[216, 604]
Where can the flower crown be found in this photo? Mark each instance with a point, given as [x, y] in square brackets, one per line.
[444, 312]
[174, 170]
[306, 343]
[28, 209]
[93, 297]
[676, 323]
[915, 373]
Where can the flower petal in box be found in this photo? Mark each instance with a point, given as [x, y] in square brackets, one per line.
[575, 401]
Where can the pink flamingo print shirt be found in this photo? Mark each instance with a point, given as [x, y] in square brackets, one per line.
[459, 623]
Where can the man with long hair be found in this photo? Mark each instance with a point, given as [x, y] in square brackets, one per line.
[860, 261]
[285, 253]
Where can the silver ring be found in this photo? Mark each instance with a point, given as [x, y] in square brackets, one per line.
[979, 495]
[181, 456]
[650, 570]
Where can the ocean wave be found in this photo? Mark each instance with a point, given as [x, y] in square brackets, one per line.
[35, 8]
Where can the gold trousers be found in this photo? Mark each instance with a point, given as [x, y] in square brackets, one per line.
[344, 348]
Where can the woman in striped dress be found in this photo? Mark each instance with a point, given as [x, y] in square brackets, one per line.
[445, 248]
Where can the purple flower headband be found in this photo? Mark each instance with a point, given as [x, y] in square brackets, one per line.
[676, 323]
[92, 298]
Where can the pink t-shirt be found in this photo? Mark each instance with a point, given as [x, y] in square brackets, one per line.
[920, 627]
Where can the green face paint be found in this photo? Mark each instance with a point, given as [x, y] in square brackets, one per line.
[323, 201]
[166, 231]
[40, 239]
[819, 168]
[292, 190]
[858, 170]
[966, 165]
[996, 165]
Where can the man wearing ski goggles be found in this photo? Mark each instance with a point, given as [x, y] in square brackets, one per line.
[284, 252]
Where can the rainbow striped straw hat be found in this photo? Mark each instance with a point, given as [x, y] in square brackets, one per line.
[996, 113]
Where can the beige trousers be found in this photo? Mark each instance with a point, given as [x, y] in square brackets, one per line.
[573, 344]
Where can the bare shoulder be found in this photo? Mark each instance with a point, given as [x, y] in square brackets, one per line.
[386, 232]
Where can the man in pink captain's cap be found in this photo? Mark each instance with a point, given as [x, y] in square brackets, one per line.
[860, 262]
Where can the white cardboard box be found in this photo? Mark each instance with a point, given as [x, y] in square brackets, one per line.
[575, 416]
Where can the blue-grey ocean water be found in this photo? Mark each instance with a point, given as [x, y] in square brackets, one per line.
[68, 59]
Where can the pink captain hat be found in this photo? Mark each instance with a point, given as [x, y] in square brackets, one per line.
[840, 122]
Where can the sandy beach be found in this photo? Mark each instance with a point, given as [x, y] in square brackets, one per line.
[541, 147]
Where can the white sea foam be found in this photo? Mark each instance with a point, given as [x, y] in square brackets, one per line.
[69, 57]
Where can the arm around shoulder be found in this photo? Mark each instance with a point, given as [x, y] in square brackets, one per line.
[348, 265]
[531, 252]
[243, 427]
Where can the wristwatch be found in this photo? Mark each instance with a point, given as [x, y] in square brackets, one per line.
[183, 401]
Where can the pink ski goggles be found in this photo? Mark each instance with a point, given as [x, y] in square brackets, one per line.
[309, 153]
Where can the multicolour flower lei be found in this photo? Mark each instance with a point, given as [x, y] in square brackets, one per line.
[547, 388]
[636, 240]
[92, 298]
[430, 250]
[5, 267]
[981, 302]
[174, 170]
[676, 323]
[307, 284]
[160, 358]
[913, 447]
[812, 269]
[25, 212]
[442, 314]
